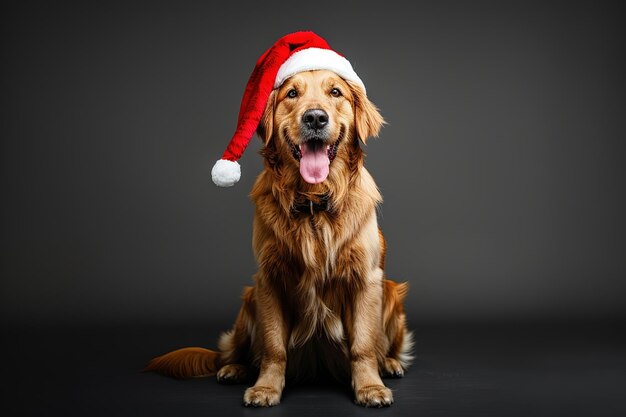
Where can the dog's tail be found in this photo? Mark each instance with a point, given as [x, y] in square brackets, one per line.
[189, 362]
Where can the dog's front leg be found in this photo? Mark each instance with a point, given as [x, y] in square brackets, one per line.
[365, 334]
[272, 331]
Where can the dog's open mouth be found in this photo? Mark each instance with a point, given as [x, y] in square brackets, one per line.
[315, 157]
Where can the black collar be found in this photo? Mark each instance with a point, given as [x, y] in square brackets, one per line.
[308, 206]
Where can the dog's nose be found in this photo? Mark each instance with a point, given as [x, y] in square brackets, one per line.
[315, 119]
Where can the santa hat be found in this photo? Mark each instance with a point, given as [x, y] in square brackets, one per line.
[291, 54]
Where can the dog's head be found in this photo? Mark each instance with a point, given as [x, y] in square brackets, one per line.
[313, 121]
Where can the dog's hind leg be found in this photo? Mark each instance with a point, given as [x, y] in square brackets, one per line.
[234, 344]
[400, 340]
[228, 364]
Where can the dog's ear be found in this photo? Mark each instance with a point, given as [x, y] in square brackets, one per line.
[266, 124]
[368, 120]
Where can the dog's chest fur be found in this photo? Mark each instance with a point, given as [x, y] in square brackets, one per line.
[319, 261]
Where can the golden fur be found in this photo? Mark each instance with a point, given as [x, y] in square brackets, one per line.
[320, 299]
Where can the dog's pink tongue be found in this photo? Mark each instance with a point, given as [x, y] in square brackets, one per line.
[314, 164]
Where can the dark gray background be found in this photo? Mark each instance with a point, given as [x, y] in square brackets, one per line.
[501, 167]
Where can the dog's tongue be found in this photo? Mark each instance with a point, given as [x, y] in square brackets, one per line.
[314, 163]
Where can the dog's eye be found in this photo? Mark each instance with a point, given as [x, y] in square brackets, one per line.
[292, 93]
[335, 92]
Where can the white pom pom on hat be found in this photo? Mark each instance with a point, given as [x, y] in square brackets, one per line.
[226, 173]
[291, 54]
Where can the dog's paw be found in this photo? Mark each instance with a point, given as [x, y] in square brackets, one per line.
[374, 396]
[232, 374]
[261, 397]
[392, 368]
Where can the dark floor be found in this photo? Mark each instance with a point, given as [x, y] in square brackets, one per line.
[478, 370]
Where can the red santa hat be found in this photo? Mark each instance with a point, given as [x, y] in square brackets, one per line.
[291, 54]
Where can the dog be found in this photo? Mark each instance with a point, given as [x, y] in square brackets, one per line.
[320, 298]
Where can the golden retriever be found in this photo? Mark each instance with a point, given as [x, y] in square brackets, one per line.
[320, 298]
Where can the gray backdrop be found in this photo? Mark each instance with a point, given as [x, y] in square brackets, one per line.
[501, 167]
